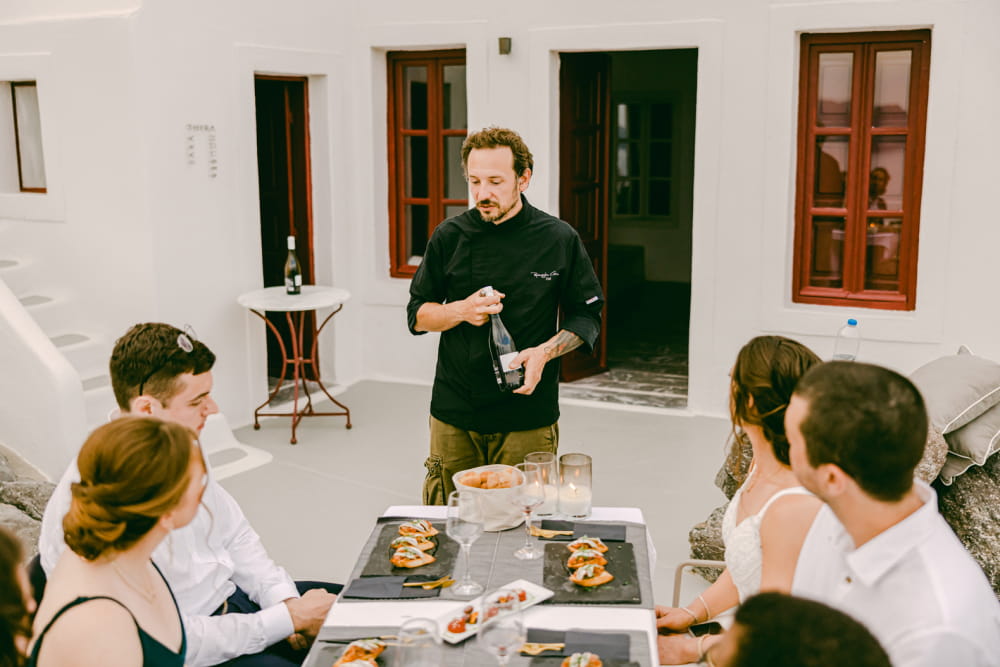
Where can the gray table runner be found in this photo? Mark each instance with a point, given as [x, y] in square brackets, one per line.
[465, 654]
[494, 565]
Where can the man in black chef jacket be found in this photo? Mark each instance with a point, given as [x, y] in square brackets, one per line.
[543, 283]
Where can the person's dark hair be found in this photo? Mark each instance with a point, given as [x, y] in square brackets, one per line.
[777, 629]
[766, 370]
[149, 356]
[133, 470]
[15, 623]
[496, 137]
[868, 420]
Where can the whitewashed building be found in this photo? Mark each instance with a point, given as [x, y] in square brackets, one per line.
[130, 189]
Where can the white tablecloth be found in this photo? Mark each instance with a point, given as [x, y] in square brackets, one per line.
[552, 617]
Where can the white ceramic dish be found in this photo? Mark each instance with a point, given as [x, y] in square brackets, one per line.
[535, 594]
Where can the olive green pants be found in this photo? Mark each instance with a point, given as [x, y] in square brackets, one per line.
[454, 449]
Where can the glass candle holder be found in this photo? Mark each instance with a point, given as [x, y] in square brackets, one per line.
[575, 485]
[419, 644]
[549, 469]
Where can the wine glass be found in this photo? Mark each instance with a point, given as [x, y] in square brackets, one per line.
[502, 631]
[529, 495]
[465, 525]
[419, 644]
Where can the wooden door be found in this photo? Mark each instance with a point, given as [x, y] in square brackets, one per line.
[285, 197]
[584, 138]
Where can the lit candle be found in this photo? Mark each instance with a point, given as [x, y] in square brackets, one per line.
[574, 500]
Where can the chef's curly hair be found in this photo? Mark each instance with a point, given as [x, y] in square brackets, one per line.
[497, 137]
[766, 370]
[133, 470]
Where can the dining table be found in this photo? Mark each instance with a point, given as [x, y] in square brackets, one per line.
[494, 566]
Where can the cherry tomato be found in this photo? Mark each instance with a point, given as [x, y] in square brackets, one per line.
[457, 626]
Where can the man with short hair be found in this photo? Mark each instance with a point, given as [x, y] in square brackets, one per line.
[879, 550]
[542, 276]
[772, 629]
[237, 604]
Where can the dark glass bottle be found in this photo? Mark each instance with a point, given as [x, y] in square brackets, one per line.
[502, 352]
[293, 270]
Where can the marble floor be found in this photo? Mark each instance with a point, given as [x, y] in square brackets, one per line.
[647, 350]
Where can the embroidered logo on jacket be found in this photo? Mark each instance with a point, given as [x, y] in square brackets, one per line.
[545, 276]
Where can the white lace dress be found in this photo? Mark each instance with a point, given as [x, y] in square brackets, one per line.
[743, 552]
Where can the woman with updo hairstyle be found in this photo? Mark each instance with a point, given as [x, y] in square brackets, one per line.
[770, 514]
[106, 603]
[16, 602]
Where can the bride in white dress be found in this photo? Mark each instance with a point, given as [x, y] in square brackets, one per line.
[769, 515]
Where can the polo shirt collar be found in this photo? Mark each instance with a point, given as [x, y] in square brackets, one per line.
[880, 554]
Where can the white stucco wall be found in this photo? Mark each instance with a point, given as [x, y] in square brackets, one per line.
[141, 234]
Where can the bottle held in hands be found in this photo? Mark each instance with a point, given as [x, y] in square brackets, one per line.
[502, 352]
[293, 270]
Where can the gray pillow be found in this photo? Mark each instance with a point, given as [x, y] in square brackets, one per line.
[957, 389]
[953, 467]
[978, 439]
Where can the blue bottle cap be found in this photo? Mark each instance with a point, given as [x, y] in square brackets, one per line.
[852, 322]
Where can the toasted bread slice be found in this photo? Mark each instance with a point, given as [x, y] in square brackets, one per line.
[421, 543]
[583, 660]
[361, 650]
[583, 557]
[590, 576]
[418, 528]
[587, 543]
[411, 557]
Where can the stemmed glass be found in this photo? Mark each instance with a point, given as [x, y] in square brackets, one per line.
[529, 495]
[465, 525]
[502, 632]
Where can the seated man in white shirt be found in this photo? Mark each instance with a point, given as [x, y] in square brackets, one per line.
[879, 550]
[238, 606]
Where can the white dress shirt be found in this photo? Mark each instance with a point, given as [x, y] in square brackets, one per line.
[914, 586]
[203, 563]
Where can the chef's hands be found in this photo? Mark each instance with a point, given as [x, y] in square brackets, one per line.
[477, 308]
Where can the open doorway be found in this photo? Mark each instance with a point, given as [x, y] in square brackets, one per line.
[648, 149]
[283, 175]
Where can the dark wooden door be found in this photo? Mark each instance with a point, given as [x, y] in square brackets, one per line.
[584, 139]
[285, 198]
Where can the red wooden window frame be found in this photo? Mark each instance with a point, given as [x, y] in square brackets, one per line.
[435, 200]
[854, 209]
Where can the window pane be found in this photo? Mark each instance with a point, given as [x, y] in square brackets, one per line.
[627, 163]
[885, 182]
[29, 136]
[415, 97]
[833, 102]
[882, 254]
[629, 121]
[416, 166]
[627, 197]
[416, 232]
[454, 179]
[827, 252]
[892, 88]
[662, 121]
[452, 211]
[659, 197]
[831, 171]
[660, 159]
[453, 97]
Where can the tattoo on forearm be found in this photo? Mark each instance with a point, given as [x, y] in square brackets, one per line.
[561, 343]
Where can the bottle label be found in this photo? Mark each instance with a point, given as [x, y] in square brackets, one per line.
[298, 280]
[505, 360]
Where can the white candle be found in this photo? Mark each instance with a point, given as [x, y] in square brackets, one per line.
[574, 500]
[550, 504]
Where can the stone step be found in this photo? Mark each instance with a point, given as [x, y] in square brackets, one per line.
[84, 351]
[16, 274]
[51, 312]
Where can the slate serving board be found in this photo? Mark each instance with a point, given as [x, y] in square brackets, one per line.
[624, 589]
[378, 562]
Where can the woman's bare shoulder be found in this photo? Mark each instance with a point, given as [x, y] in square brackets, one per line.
[95, 632]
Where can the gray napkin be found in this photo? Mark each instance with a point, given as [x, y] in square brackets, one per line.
[389, 588]
[608, 645]
[609, 532]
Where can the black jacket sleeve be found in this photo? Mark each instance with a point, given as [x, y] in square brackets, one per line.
[428, 284]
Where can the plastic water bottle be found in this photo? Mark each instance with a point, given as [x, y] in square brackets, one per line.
[845, 347]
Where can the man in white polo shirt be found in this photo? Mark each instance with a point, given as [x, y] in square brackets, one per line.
[879, 550]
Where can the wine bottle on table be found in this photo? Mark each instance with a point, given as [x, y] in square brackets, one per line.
[293, 270]
[502, 352]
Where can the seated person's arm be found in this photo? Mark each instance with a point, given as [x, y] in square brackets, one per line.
[783, 530]
[719, 597]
